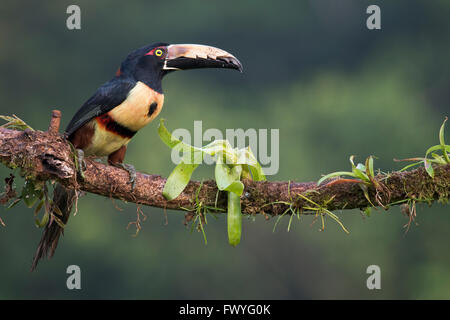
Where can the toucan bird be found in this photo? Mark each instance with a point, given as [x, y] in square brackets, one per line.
[108, 120]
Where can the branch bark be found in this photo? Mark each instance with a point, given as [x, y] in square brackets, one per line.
[47, 156]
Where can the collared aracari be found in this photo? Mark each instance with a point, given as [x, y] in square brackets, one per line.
[107, 121]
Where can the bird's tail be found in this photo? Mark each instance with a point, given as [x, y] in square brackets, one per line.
[62, 198]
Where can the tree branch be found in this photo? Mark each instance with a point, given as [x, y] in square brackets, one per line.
[47, 156]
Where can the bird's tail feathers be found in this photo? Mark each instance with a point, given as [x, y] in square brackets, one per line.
[63, 200]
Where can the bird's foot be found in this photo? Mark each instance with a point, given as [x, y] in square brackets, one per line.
[81, 164]
[131, 171]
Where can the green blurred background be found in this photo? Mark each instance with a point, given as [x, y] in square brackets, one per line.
[311, 69]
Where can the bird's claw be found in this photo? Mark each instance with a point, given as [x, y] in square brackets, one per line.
[81, 164]
[131, 171]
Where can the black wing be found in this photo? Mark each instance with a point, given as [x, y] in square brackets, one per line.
[107, 97]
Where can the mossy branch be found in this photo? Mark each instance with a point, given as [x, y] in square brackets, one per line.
[45, 156]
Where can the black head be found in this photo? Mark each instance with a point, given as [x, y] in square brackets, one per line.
[151, 63]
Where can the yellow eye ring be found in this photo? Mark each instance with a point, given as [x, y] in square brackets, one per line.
[158, 52]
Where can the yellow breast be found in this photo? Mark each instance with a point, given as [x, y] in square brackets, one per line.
[104, 142]
[141, 106]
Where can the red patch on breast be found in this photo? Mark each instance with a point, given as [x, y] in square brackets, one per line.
[106, 122]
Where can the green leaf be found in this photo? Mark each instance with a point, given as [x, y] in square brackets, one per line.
[15, 123]
[336, 174]
[41, 223]
[429, 168]
[228, 179]
[442, 141]
[166, 136]
[234, 219]
[246, 172]
[236, 187]
[361, 167]
[369, 166]
[39, 207]
[365, 190]
[56, 210]
[437, 147]
[58, 221]
[351, 161]
[30, 194]
[16, 201]
[257, 173]
[359, 171]
[410, 165]
[252, 164]
[178, 180]
[441, 133]
[438, 158]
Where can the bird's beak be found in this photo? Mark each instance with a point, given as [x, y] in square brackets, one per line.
[193, 56]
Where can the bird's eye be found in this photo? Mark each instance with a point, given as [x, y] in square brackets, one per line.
[158, 52]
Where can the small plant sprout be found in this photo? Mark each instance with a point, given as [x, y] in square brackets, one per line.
[15, 123]
[232, 165]
[364, 175]
[292, 209]
[360, 172]
[197, 214]
[435, 157]
[36, 194]
[321, 211]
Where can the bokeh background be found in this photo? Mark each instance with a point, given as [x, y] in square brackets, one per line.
[312, 70]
